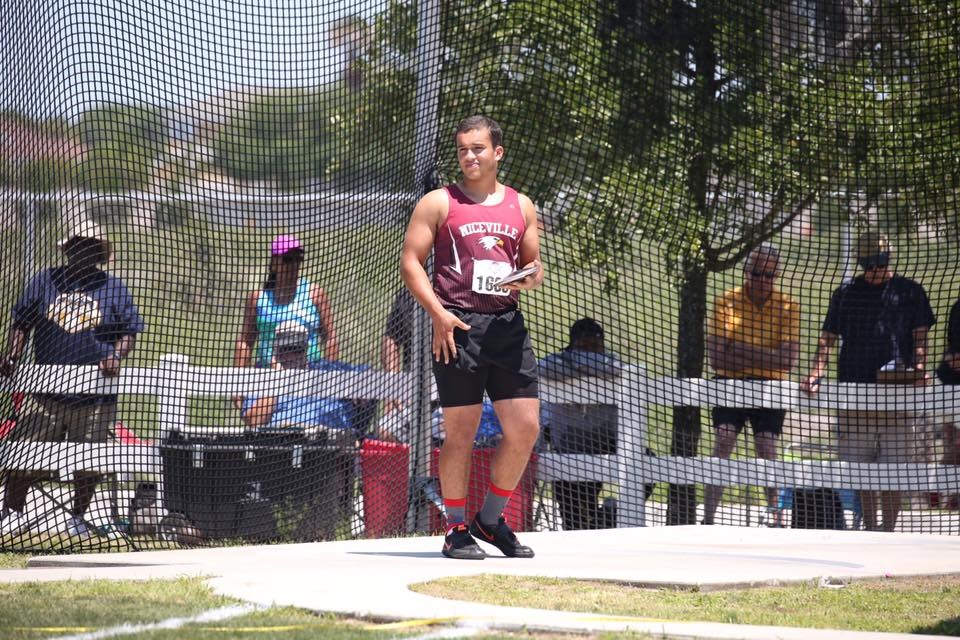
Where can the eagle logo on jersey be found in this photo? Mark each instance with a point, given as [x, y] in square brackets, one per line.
[489, 242]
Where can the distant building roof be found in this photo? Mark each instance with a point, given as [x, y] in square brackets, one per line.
[24, 141]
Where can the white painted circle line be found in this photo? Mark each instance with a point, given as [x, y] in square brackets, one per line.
[211, 615]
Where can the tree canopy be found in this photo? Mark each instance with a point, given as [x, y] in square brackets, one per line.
[123, 144]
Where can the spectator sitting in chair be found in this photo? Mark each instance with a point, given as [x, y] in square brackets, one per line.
[286, 295]
[78, 314]
[329, 416]
[581, 428]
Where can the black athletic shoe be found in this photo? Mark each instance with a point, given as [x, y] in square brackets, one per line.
[501, 537]
[460, 545]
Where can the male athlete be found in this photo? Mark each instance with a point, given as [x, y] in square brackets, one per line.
[480, 230]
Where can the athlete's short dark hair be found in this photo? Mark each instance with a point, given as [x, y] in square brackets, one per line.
[481, 122]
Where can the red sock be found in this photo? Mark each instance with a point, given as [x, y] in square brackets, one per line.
[494, 504]
[503, 493]
[455, 510]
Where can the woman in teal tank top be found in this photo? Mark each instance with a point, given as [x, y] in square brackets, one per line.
[285, 296]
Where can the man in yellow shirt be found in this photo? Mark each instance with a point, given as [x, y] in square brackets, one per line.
[753, 334]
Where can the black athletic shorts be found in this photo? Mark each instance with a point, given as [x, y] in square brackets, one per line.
[495, 356]
[761, 420]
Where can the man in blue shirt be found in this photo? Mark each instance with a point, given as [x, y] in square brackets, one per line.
[331, 417]
[581, 428]
[78, 314]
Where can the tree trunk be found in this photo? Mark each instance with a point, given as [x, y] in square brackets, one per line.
[682, 499]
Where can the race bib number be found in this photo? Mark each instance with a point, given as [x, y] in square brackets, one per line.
[485, 273]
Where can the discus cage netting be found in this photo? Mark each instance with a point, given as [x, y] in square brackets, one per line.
[662, 142]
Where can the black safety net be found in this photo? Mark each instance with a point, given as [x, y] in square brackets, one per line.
[747, 216]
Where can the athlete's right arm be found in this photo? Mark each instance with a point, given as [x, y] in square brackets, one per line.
[427, 217]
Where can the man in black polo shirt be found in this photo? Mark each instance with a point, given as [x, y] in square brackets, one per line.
[949, 373]
[883, 319]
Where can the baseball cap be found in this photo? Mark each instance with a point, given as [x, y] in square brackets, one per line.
[85, 229]
[284, 244]
[873, 250]
[872, 243]
[290, 334]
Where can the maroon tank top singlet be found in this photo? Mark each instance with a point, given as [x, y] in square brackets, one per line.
[475, 246]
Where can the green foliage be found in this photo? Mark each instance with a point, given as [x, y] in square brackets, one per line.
[43, 175]
[124, 142]
[273, 138]
[535, 67]
[687, 123]
[128, 127]
[356, 133]
[46, 170]
[113, 170]
[328, 136]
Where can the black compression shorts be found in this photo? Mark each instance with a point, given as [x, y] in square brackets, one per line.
[495, 356]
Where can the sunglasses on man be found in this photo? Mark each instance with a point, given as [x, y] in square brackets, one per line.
[879, 261]
[765, 275]
[290, 349]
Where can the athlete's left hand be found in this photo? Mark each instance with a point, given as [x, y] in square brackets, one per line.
[530, 282]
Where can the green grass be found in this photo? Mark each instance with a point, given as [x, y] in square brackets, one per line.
[30, 611]
[901, 605]
[36, 610]
[281, 623]
[93, 604]
[41, 609]
[13, 560]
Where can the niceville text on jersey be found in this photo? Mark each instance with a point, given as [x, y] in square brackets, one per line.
[475, 247]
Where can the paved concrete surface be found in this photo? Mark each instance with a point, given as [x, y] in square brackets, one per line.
[370, 578]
